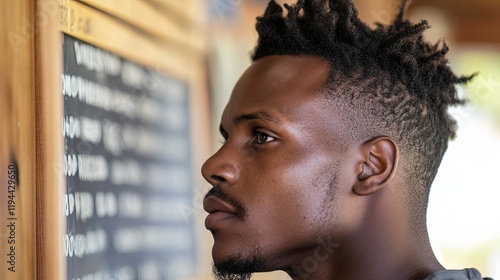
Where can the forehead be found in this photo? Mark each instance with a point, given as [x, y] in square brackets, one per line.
[279, 84]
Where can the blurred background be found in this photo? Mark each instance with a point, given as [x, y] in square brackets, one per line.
[464, 210]
[208, 43]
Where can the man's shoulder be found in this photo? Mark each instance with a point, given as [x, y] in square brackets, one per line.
[464, 274]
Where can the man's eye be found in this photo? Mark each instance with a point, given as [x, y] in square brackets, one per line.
[261, 137]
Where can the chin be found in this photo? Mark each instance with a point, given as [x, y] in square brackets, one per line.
[226, 247]
[221, 251]
[237, 260]
[238, 265]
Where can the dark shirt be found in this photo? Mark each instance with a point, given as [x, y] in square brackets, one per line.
[466, 274]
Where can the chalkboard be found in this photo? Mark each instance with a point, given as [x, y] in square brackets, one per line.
[128, 168]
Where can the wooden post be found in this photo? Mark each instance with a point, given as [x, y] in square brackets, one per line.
[17, 125]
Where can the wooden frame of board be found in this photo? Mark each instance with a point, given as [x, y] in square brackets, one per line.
[50, 179]
[31, 104]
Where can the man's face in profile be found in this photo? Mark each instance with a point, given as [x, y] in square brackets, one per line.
[276, 179]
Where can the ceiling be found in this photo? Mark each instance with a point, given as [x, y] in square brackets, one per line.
[472, 21]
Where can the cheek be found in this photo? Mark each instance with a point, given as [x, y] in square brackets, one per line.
[294, 202]
[288, 220]
[290, 194]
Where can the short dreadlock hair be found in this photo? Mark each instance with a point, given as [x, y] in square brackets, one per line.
[401, 84]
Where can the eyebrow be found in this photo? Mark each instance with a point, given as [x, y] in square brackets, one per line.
[258, 115]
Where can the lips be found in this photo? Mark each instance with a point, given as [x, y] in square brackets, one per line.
[219, 211]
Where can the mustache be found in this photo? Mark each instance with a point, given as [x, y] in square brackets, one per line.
[218, 192]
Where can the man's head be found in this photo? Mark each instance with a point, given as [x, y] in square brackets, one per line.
[331, 117]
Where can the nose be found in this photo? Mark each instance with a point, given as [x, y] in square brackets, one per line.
[221, 169]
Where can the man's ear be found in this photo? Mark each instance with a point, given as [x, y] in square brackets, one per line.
[378, 165]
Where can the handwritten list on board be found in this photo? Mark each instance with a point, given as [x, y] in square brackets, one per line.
[128, 169]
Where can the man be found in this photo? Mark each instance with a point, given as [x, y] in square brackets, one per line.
[332, 139]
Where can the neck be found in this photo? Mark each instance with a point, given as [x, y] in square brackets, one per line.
[384, 246]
